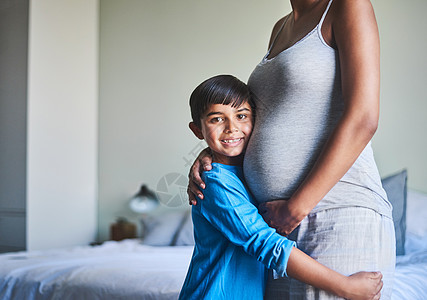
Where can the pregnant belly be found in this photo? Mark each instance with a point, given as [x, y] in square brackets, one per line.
[278, 159]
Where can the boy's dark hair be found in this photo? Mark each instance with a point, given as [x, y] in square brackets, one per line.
[220, 89]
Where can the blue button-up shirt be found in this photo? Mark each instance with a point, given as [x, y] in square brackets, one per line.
[233, 244]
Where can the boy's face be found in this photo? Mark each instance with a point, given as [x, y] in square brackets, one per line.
[226, 130]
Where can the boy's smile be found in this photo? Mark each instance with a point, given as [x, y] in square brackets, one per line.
[226, 130]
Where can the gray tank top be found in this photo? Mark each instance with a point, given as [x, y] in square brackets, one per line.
[299, 102]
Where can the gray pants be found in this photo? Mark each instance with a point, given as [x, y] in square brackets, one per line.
[347, 240]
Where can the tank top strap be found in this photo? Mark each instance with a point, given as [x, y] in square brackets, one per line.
[275, 37]
[324, 14]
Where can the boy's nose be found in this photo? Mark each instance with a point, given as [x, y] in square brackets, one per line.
[230, 127]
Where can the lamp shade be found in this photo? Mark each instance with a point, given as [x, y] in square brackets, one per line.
[144, 201]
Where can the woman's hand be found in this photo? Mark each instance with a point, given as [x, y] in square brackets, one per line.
[280, 214]
[202, 163]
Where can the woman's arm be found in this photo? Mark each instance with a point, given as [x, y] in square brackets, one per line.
[355, 34]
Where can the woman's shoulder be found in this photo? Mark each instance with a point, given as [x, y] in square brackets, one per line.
[343, 9]
[350, 19]
[276, 28]
[279, 23]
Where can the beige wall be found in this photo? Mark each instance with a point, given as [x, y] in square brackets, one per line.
[153, 53]
[62, 123]
[401, 140]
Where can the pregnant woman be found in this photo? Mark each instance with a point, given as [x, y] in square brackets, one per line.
[309, 161]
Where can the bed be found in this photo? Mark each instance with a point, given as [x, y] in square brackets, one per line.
[155, 268]
[114, 270]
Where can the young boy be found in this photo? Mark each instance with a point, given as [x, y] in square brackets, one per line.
[233, 244]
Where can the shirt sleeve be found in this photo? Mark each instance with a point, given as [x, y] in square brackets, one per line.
[228, 208]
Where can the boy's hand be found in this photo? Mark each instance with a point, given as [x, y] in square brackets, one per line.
[278, 214]
[202, 163]
[364, 286]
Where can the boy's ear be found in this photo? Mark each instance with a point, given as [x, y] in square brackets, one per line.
[196, 130]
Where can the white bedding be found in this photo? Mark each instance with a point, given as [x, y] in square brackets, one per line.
[411, 269]
[115, 270]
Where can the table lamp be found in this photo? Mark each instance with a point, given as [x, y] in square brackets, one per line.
[143, 202]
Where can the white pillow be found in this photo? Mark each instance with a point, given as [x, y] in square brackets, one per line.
[416, 213]
[161, 229]
[185, 236]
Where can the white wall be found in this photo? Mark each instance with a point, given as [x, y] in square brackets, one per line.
[153, 54]
[401, 139]
[62, 123]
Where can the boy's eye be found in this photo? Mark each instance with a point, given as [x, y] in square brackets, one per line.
[216, 119]
[242, 116]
